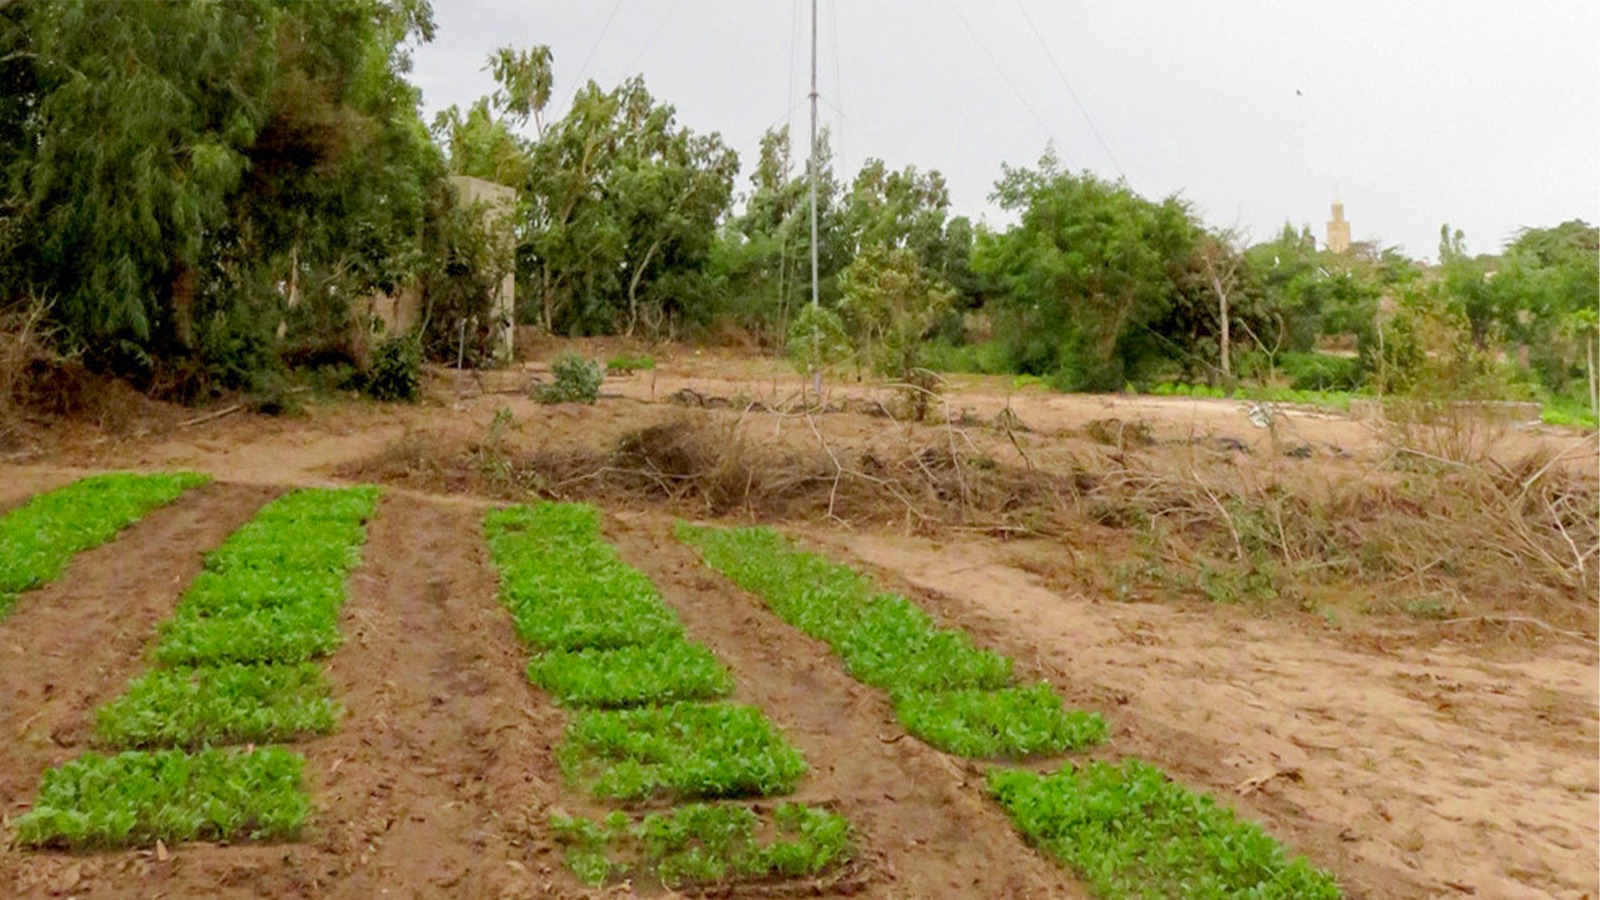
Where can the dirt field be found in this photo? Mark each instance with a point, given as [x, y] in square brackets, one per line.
[1413, 758]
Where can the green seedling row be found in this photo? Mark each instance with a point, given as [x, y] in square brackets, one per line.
[1133, 834]
[566, 588]
[611, 648]
[947, 692]
[137, 798]
[607, 637]
[681, 750]
[272, 592]
[217, 705]
[662, 672]
[238, 672]
[703, 845]
[38, 538]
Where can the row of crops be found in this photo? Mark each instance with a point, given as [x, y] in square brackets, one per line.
[681, 786]
[41, 536]
[236, 670]
[649, 723]
[1127, 830]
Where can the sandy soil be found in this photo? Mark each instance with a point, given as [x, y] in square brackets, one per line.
[1410, 770]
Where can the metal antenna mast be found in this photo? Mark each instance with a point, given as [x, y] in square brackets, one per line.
[816, 338]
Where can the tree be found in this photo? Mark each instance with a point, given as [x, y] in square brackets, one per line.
[1084, 273]
[891, 304]
[190, 178]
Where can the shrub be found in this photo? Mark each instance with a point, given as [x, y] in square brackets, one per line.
[578, 380]
[1320, 372]
[396, 373]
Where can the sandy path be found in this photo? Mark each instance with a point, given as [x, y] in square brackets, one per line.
[1410, 772]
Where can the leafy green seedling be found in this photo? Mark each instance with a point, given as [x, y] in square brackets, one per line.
[682, 750]
[659, 672]
[1133, 834]
[215, 705]
[1013, 722]
[39, 537]
[137, 798]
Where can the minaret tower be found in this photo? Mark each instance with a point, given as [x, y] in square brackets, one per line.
[1338, 229]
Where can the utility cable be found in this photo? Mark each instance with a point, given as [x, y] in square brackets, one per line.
[995, 62]
[1068, 85]
[584, 69]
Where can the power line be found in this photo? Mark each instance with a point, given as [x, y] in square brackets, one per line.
[653, 35]
[584, 69]
[995, 62]
[1068, 85]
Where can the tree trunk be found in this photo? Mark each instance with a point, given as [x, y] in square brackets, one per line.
[1224, 341]
[633, 287]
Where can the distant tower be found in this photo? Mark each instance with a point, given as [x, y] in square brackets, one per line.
[1338, 229]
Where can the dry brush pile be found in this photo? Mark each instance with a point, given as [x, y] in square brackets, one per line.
[1429, 530]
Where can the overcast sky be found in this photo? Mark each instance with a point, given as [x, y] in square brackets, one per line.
[1485, 115]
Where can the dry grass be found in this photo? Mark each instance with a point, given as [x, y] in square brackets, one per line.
[1465, 543]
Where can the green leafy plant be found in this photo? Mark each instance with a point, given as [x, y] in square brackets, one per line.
[38, 538]
[947, 692]
[137, 798]
[577, 380]
[704, 844]
[1019, 721]
[396, 373]
[681, 749]
[625, 365]
[214, 705]
[566, 588]
[1130, 832]
[659, 672]
[272, 591]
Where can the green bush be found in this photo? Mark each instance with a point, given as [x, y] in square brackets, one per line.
[1320, 371]
[577, 380]
[1131, 833]
[396, 373]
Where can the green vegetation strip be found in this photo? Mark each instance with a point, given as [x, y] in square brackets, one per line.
[39, 537]
[216, 705]
[1132, 833]
[272, 592]
[608, 638]
[138, 798]
[956, 697]
[702, 845]
[237, 650]
[681, 749]
[610, 647]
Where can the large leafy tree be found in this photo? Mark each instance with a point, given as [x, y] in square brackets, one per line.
[178, 174]
[1084, 273]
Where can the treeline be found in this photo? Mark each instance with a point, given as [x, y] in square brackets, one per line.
[206, 193]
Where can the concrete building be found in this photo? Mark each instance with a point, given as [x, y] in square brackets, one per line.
[1338, 230]
[402, 312]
